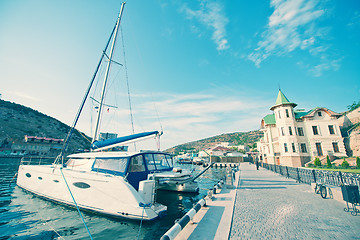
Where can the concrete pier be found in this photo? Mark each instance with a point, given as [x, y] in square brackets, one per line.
[213, 221]
[265, 205]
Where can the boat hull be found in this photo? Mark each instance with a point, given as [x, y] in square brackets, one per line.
[97, 192]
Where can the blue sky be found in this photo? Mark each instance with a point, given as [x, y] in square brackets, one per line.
[195, 68]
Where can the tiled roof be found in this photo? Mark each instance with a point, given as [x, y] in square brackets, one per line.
[299, 115]
[269, 119]
[282, 100]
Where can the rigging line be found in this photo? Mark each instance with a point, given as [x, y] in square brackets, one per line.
[77, 207]
[127, 84]
[67, 140]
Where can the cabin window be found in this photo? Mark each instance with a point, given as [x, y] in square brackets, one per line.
[81, 185]
[150, 162]
[161, 162]
[137, 164]
[170, 160]
[111, 165]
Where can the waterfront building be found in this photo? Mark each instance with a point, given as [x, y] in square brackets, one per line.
[38, 146]
[295, 137]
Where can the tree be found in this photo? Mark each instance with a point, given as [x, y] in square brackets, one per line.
[357, 162]
[328, 162]
[345, 164]
[317, 162]
[353, 106]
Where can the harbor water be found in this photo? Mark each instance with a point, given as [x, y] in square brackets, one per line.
[25, 216]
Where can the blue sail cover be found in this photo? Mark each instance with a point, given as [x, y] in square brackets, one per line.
[109, 142]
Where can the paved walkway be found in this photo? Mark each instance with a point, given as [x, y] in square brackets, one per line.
[269, 206]
[213, 221]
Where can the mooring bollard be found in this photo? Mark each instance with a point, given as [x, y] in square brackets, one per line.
[179, 225]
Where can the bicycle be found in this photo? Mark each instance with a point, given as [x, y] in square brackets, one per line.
[323, 190]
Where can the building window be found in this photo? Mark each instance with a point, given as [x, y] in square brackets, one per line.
[279, 114]
[285, 147]
[300, 131]
[335, 146]
[315, 130]
[282, 131]
[287, 112]
[290, 131]
[319, 114]
[331, 129]
[293, 147]
[303, 147]
[319, 149]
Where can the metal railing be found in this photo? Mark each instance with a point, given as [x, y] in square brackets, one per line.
[37, 160]
[304, 175]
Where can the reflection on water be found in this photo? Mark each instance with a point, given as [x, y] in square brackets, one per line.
[25, 216]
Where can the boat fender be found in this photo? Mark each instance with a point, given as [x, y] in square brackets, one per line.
[181, 223]
[143, 205]
[179, 170]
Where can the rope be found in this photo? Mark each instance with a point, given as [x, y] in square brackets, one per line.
[142, 215]
[127, 84]
[77, 208]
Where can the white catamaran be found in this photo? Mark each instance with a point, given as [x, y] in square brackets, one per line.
[116, 183]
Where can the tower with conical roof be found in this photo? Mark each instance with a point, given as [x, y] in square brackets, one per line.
[295, 137]
[286, 125]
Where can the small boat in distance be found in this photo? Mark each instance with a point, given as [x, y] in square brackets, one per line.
[106, 180]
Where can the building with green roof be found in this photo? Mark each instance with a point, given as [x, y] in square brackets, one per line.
[295, 137]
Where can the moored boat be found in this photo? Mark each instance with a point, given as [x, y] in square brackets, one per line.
[107, 180]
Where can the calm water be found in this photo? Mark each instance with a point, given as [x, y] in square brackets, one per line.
[25, 216]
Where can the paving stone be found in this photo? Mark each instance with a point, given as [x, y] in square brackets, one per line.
[270, 206]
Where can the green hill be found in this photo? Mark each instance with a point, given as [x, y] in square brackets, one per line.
[16, 121]
[236, 138]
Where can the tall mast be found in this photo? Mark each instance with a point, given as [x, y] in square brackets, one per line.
[107, 75]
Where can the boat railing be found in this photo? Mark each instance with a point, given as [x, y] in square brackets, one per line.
[37, 160]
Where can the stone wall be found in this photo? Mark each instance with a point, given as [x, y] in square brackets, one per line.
[354, 142]
[347, 124]
[350, 118]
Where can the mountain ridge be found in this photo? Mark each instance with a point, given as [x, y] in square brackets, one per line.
[17, 120]
[236, 138]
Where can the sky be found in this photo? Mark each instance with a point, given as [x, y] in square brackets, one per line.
[194, 69]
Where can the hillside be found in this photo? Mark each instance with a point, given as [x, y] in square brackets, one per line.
[16, 121]
[236, 138]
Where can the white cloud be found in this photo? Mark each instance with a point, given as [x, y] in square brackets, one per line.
[211, 15]
[188, 117]
[20, 96]
[318, 70]
[294, 25]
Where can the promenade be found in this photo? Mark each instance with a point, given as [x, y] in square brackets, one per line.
[266, 205]
[270, 206]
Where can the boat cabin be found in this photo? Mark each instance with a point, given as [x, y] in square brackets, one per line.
[134, 167]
